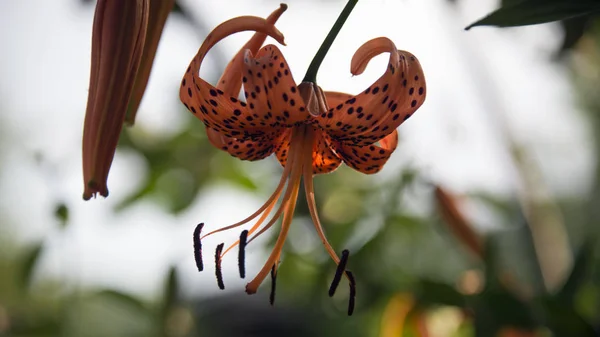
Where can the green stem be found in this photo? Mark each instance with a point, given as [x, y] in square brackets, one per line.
[313, 68]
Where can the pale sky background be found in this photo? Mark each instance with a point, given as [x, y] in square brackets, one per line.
[453, 139]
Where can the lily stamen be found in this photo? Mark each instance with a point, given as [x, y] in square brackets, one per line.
[341, 268]
[218, 272]
[198, 247]
[242, 253]
[273, 285]
[352, 298]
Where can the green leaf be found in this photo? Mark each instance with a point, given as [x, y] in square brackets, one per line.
[579, 274]
[565, 321]
[28, 266]
[531, 12]
[497, 308]
[122, 298]
[171, 290]
[430, 292]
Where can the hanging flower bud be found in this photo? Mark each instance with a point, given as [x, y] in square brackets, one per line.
[157, 17]
[118, 37]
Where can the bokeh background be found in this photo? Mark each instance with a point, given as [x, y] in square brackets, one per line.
[509, 132]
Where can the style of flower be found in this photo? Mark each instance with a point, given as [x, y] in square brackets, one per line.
[311, 131]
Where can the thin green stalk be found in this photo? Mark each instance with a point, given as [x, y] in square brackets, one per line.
[313, 68]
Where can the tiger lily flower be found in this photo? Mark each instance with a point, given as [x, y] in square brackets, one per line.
[311, 131]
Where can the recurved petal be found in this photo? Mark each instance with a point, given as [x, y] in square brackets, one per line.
[215, 108]
[283, 146]
[381, 108]
[231, 80]
[270, 90]
[368, 159]
[325, 159]
[158, 12]
[244, 149]
[118, 36]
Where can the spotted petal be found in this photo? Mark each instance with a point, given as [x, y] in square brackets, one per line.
[368, 159]
[324, 158]
[219, 111]
[231, 80]
[376, 112]
[270, 90]
[249, 149]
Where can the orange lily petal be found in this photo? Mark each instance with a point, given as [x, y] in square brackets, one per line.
[231, 83]
[283, 147]
[270, 90]
[118, 36]
[231, 80]
[380, 109]
[324, 158]
[217, 110]
[248, 149]
[368, 159]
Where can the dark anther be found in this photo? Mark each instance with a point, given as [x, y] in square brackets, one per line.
[273, 284]
[352, 292]
[198, 247]
[341, 267]
[242, 253]
[218, 266]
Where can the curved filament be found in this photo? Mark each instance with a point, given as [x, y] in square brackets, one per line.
[257, 224]
[288, 206]
[310, 199]
[269, 203]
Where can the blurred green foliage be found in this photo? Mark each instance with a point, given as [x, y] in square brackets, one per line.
[408, 266]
